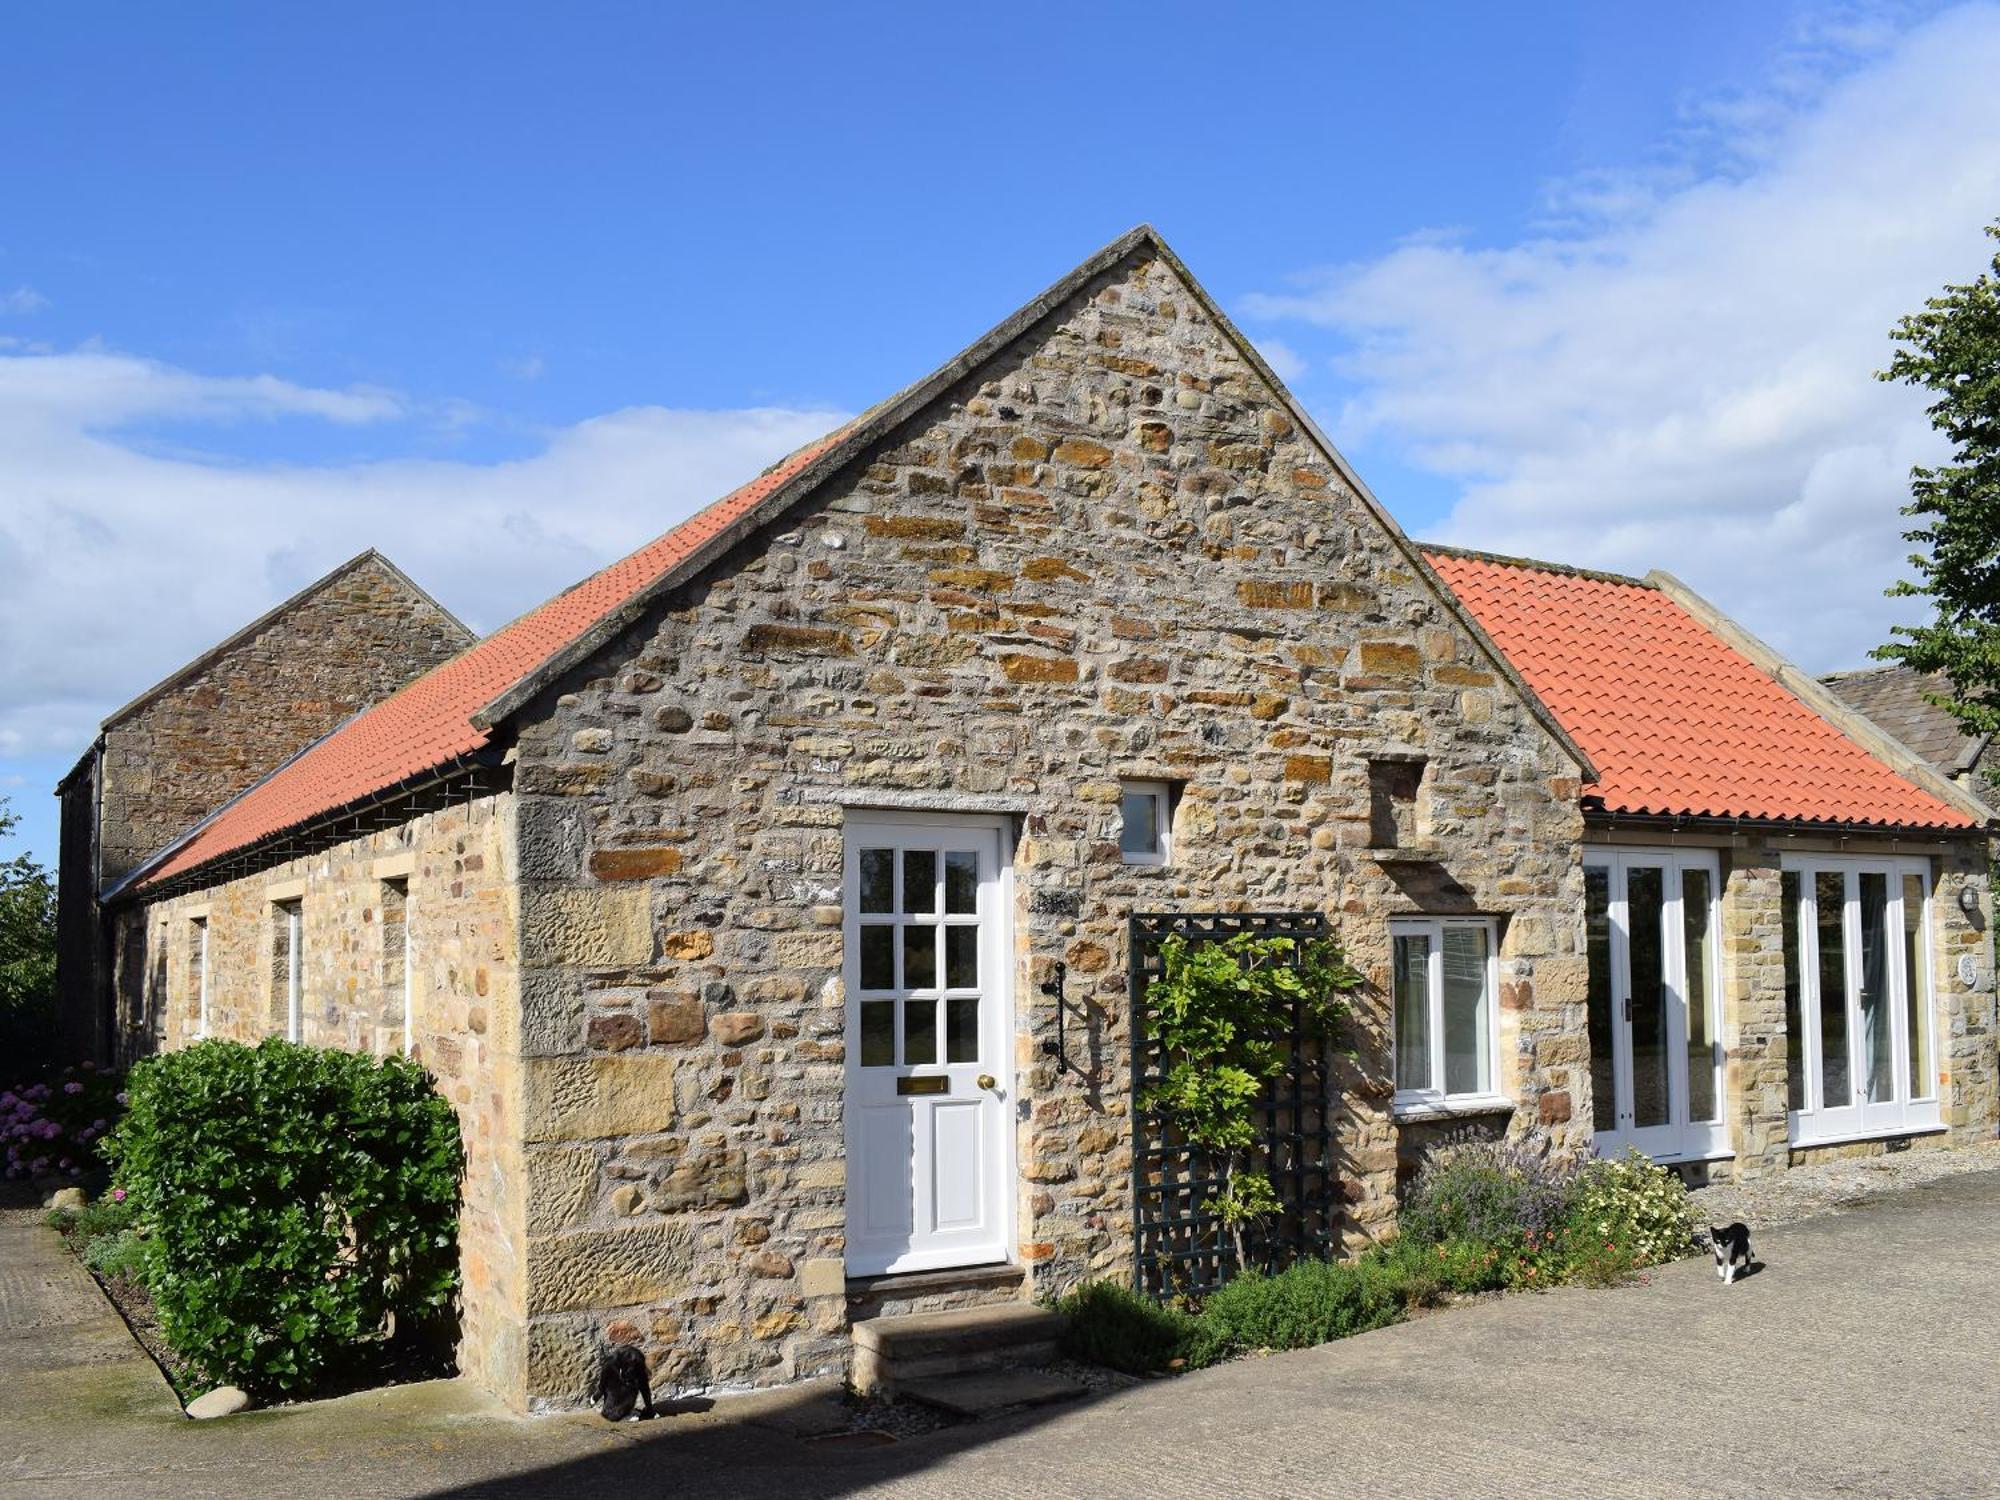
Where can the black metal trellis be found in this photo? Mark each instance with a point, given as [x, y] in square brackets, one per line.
[1179, 1245]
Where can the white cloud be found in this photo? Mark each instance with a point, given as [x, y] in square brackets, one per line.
[1678, 372]
[124, 562]
[525, 367]
[23, 299]
[1285, 362]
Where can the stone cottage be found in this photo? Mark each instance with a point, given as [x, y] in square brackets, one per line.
[193, 740]
[761, 901]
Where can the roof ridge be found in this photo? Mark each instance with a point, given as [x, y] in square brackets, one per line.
[1880, 671]
[1535, 564]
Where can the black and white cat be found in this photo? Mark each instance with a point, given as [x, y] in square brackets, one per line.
[623, 1382]
[1731, 1243]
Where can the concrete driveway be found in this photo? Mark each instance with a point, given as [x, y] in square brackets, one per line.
[1862, 1361]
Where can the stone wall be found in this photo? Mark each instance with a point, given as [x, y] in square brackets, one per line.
[190, 744]
[461, 929]
[350, 641]
[1109, 554]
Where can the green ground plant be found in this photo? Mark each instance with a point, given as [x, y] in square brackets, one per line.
[1481, 1217]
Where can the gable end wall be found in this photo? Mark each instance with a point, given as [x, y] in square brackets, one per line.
[1109, 553]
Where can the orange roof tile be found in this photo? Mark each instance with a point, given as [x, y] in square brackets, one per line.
[428, 725]
[1678, 721]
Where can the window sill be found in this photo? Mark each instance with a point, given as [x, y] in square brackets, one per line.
[1406, 854]
[1410, 1110]
[1800, 1142]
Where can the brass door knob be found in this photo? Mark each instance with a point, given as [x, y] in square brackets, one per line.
[986, 1080]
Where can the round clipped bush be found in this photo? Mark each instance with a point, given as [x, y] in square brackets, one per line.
[301, 1202]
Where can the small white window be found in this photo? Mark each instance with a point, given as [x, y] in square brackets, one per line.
[396, 967]
[287, 944]
[1146, 823]
[1445, 998]
[198, 962]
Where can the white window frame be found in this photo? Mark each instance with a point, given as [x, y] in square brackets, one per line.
[1163, 821]
[1679, 1137]
[409, 970]
[201, 994]
[293, 910]
[1819, 1123]
[1417, 1102]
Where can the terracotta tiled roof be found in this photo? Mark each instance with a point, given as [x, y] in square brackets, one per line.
[1676, 718]
[428, 725]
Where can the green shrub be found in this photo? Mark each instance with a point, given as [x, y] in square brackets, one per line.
[1491, 1192]
[124, 1254]
[1110, 1324]
[103, 1216]
[1632, 1209]
[297, 1200]
[1432, 1272]
[1312, 1302]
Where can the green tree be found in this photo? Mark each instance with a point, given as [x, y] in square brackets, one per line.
[1952, 349]
[27, 955]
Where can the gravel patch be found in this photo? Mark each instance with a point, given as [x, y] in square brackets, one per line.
[1828, 1187]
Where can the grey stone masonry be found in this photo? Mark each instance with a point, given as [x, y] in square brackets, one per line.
[1109, 553]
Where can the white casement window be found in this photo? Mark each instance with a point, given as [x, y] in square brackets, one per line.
[287, 956]
[1862, 1033]
[396, 955]
[198, 961]
[1445, 994]
[1146, 823]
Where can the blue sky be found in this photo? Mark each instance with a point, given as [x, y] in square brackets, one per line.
[507, 290]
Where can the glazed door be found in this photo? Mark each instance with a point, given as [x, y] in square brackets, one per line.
[929, 1179]
[1858, 981]
[1656, 1066]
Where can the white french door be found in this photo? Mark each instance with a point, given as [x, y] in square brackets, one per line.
[1857, 997]
[1653, 930]
[929, 1078]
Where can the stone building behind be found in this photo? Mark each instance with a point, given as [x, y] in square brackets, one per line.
[198, 737]
[761, 903]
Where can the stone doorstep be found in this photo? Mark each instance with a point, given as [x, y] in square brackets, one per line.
[870, 1297]
[964, 1331]
[923, 1346]
[992, 1392]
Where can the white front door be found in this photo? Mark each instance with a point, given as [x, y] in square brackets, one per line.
[927, 970]
[1652, 926]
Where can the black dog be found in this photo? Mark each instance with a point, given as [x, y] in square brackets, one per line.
[624, 1383]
